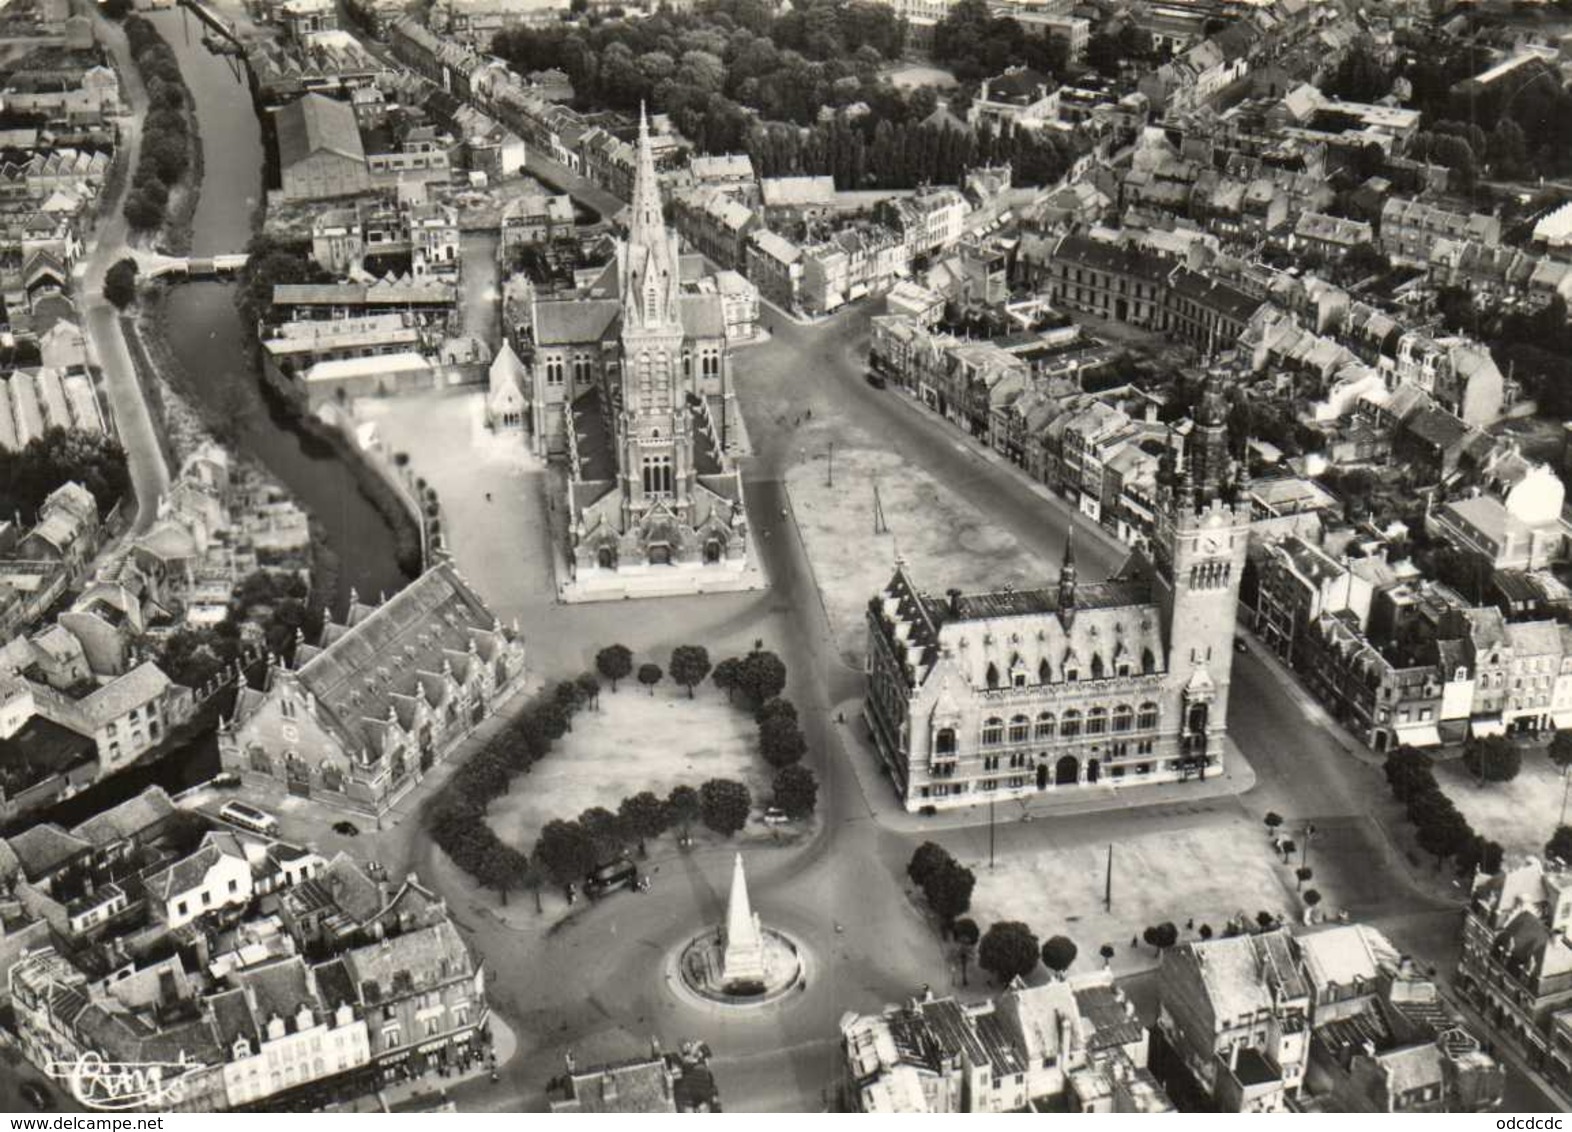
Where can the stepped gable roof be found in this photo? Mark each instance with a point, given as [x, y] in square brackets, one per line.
[316, 124]
[380, 655]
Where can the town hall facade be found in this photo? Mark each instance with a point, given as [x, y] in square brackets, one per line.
[1005, 694]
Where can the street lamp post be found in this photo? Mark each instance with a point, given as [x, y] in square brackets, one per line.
[1566, 780]
[829, 472]
[1304, 856]
[990, 832]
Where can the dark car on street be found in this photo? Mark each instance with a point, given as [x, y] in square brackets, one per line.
[608, 878]
[876, 379]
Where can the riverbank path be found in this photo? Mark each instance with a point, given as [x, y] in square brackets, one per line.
[106, 338]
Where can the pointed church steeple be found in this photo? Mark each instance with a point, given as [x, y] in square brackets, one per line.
[650, 282]
[648, 224]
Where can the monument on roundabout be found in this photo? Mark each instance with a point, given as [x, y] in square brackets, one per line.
[741, 962]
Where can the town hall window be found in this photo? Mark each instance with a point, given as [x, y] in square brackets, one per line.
[1045, 725]
[993, 675]
[1123, 717]
[1097, 721]
[1070, 725]
[554, 371]
[993, 732]
[944, 741]
[581, 368]
[1020, 728]
[1148, 717]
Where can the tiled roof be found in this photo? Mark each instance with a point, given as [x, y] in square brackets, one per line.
[316, 124]
[189, 872]
[397, 965]
[142, 685]
[127, 819]
[435, 618]
[42, 848]
[560, 322]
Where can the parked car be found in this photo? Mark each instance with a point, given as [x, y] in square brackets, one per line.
[876, 380]
[249, 817]
[227, 780]
[1240, 646]
[346, 829]
[621, 873]
[775, 816]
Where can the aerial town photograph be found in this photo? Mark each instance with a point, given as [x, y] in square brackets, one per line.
[785, 556]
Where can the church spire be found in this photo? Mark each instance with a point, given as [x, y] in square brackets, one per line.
[648, 225]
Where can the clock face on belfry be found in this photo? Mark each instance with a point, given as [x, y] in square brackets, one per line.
[1210, 544]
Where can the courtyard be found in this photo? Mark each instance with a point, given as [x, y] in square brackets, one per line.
[634, 741]
[1521, 814]
[925, 523]
[1207, 874]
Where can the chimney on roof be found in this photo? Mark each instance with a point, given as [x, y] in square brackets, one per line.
[955, 601]
[168, 993]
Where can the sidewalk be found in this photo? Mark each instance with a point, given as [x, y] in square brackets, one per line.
[431, 1086]
[1312, 707]
[884, 805]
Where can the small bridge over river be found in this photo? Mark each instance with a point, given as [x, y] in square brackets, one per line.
[151, 265]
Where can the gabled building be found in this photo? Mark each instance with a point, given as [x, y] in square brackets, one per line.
[383, 697]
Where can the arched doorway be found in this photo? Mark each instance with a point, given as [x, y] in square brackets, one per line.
[1091, 770]
[1067, 772]
[660, 554]
[1042, 776]
[712, 552]
[606, 558]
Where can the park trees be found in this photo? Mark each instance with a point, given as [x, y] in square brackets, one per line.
[724, 805]
[1492, 758]
[925, 861]
[685, 806]
[614, 662]
[503, 869]
[589, 688]
[120, 283]
[1008, 950]
[762, 676]
[796, 791]
[781, 741]
[690, 664]
[946, 884]
[606, 832]
[644, 816]
[1161, 936]
[728, 676]
[1560, 750]
[1058, 953]
[1559, 847]
[566, 850]
[650, 675]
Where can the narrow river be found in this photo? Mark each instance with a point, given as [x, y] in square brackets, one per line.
[205, 334]
[205, 331]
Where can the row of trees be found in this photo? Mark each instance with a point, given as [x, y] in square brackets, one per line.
[167, 139]
[456, 818]
[1441, 828]
[690, 664]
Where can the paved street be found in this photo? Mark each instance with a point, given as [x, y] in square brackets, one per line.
[133, 423]
[869, 943]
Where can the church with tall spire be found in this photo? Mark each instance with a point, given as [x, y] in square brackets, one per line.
[632, 387]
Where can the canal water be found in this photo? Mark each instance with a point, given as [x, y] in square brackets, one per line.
[205, 334]
[205, 330]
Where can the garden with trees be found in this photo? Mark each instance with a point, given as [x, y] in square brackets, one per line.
[741, 75]
[1440, 828]
[62, 455]
[169, 142]
[568, 848]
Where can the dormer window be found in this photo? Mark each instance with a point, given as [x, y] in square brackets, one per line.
[993, 675]
[242, 1049]
[275, 1028]
[1044, 673]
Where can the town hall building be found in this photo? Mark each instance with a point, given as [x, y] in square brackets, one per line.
[631, 382]
[1004, 694]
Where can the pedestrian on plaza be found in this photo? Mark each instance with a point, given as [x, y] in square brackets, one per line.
[1134, 942]
[488, 497]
